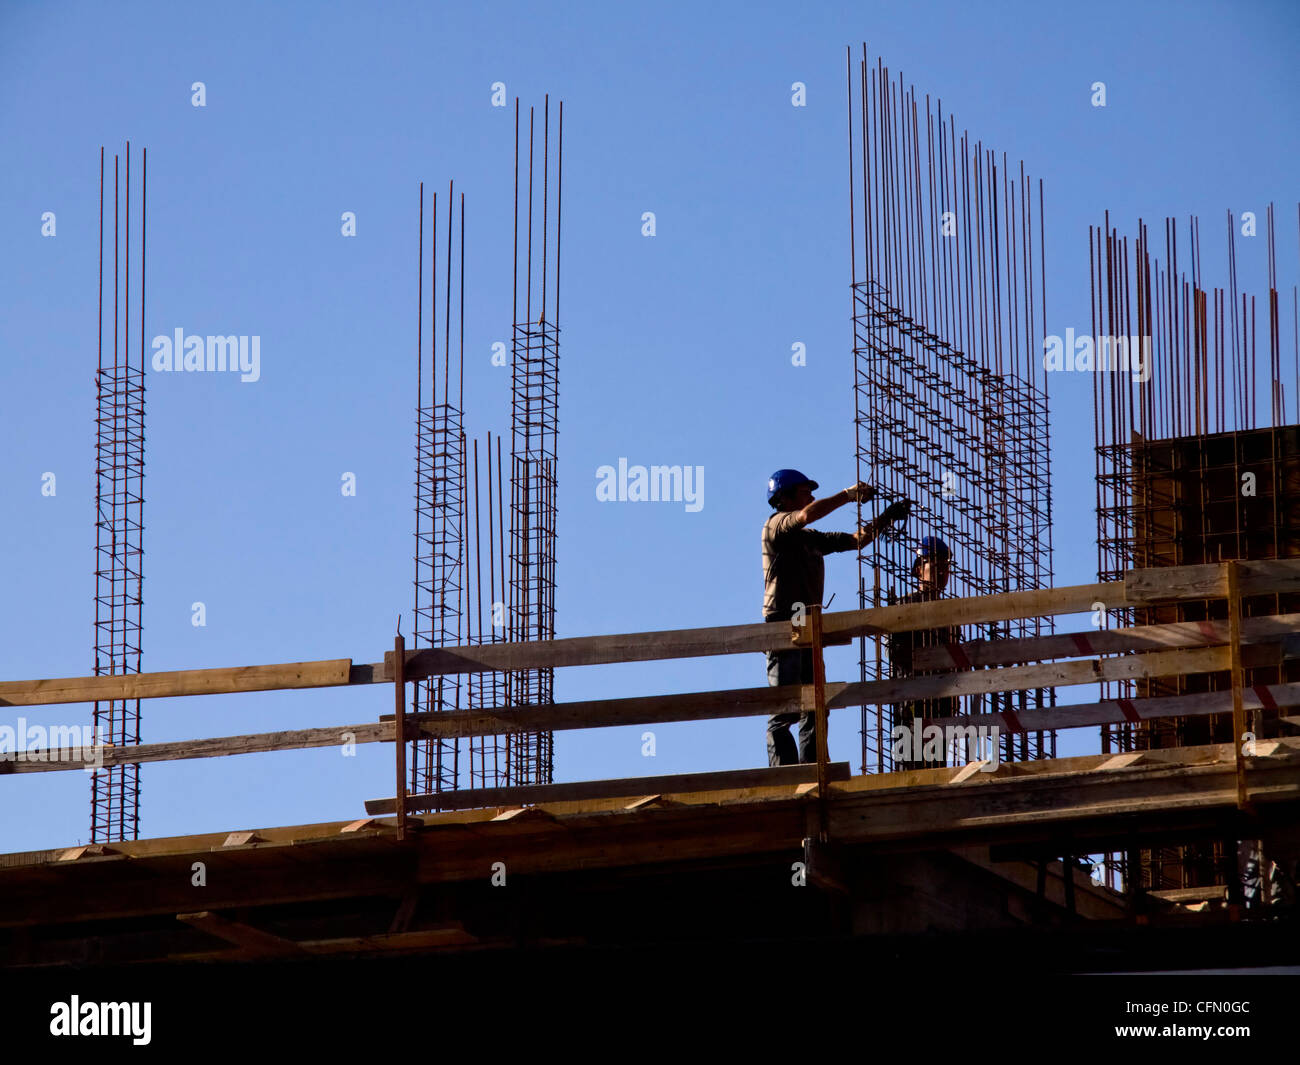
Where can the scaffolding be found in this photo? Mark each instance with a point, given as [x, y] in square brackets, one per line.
[119, 516]
[950, 408]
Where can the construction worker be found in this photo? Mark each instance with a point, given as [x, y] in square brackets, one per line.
[930, 570]
[794, 576]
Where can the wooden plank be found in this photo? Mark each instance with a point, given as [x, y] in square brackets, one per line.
[252, 940]
[1214, 892]
[968, 770]
[216, 747]
[1123, 761]
[977, 653]
[525, 813]
[595, 650]
[1039, 602]
[630, 787]
[88, 850]
[325, 673]
[1028, 678]
[1166, 584]
[1173, 583]
[608, 713]
[1114, 712]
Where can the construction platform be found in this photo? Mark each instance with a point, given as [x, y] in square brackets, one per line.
[793, 855]
[928, 851]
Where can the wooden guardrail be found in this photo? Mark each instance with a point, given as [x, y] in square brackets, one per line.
[975, 667]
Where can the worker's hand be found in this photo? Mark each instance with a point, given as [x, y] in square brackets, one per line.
[860, 493]
[898, 511]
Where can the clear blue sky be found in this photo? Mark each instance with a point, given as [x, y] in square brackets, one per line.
[676, 349]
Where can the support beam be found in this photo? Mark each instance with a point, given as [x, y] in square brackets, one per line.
[253, 940]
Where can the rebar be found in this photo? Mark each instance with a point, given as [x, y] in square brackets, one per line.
[441, 577]
[1188, 472]
[950, 403]
[119, 516]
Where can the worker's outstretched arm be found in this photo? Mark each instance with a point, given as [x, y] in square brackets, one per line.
[819, 508]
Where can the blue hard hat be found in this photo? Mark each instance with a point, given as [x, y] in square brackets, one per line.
[783, 479]
[931, 547]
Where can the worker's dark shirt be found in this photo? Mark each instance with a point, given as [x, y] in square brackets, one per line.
[903, 645]
[910, 712]
[793, 570]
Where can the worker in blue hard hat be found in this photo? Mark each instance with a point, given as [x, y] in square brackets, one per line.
[793, 580]
[930, 569]
[931, 565]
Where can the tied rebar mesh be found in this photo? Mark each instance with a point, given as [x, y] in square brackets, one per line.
[489, 756]
[534, 419]
[535, 410]
[1171, 451]
[948, 310]
[518, 579]
[119, 521]
[439, 580]
[441, 576]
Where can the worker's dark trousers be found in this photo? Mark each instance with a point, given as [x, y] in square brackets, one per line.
[790, 667]
[912, 717]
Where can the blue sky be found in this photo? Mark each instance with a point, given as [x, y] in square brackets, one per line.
[676, 348]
